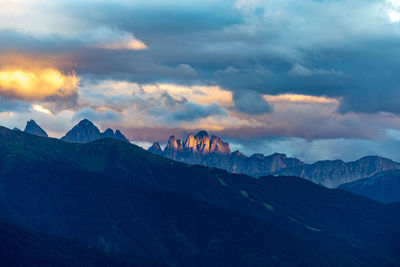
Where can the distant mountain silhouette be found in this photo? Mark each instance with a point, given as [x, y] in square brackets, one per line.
[33, 128]
[214, 152]
[85, 131]
[383, 186]
[115, 196]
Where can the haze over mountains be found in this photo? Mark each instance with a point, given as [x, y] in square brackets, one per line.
[117, 197]
[214, 152]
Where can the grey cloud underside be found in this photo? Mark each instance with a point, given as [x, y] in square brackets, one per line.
[10, 105]
[250, 102]
[189, 43]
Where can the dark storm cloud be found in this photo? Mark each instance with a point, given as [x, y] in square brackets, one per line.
[272, 47]
[273, 55]
[250, 102]
[12, 105]
[193, 111]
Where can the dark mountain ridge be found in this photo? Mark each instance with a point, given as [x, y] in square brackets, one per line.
[33, 128]
[214, 152]
[85, 131]
[26, 247]
[383, 186]
[117, 197]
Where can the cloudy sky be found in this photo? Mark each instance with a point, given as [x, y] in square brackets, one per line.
[316, 79]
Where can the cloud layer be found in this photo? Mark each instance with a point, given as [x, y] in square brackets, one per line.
[247, 70]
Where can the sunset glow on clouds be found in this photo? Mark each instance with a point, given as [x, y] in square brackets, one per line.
[301, 72]
[36, 84]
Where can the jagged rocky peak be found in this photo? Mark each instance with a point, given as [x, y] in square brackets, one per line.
[109, 133]
[219, 146]
[190, 143]
[279, 156]
[237, 153]
[85, 131]
[202, 142]
[174, 143]
[118, 135]
[257, 156]
[199, 143]
[155, 149]
[33, 128]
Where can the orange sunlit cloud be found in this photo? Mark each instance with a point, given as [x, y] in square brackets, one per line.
[36, 84]
[295, 98]
[130, 44]
[41, 109]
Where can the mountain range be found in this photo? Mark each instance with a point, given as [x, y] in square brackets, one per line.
[116, 197]
[84, 132]
[214, 152]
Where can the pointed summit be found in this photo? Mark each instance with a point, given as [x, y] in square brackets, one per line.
[202, 142]
[119, 136]
[84, 132]
[201, 134]
[32, 128]
[109, 133]
[155, 149]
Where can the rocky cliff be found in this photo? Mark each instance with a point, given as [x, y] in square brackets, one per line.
[214, 152]
[33, 128]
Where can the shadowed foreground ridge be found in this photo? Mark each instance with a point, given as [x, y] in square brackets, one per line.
[114, 196]
[384, 187]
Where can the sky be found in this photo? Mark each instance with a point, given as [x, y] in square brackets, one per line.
[315, 79]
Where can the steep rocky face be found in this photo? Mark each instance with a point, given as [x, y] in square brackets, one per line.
[155, 149]
[119, 136]
[85, 131]
[33, 128]
[109, 133]
[202, 142]
[214, 152]
[333, 173]
[174, 146]
[219, 146]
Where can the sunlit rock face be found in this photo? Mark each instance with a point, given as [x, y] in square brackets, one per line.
[85, 131]
[214, 152]
[33, 128]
